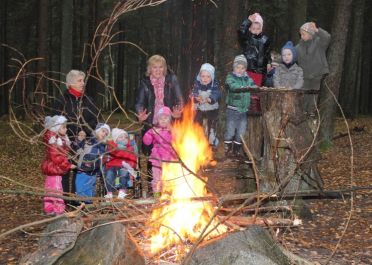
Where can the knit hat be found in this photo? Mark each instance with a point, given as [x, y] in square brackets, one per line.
[163, 111]
[116, 132]
[258, 19]
[289, 46]
[54, 123]
[208, 68]
[307, 27]
[240, 59]
[102, 126]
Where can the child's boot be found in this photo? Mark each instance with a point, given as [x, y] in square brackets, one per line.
[238, 150]
[228, 148]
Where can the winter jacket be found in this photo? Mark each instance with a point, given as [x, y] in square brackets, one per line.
[91, 156]
[145, 95]
[118, 156]
[312, 55]
[162, 147]
[211, 91]
[288, 77]
[56, 161]
[256, 48]
[69, 106]
[239, 101]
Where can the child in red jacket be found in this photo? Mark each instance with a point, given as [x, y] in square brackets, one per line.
[55, 163]
[121, 163]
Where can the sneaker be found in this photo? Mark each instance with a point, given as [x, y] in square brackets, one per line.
[122, 194]
[108, 196]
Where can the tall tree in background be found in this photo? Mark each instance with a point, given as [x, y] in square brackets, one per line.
[297, 13]
[42, 51]
[366, 86]
[3, 58]
[351, 78]
[66, 37]
[336, 56]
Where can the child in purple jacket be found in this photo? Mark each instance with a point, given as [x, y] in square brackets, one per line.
[160, 137]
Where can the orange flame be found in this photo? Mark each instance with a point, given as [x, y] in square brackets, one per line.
[181, 218]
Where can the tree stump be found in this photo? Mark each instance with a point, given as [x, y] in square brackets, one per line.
[290, 152]
[255, 137]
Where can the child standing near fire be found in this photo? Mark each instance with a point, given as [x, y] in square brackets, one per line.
[160, 136]
[55, 163]
[206, 94]
[237, 105]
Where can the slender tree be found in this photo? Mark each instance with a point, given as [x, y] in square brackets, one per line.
[66, 36]
[298, 11]
[351, 78]
[336, 55]
[3, 58]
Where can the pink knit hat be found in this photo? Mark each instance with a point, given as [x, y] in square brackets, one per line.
[163, 111]
[258, 19]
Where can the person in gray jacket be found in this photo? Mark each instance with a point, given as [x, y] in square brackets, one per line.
[288, 74]
[312, 59]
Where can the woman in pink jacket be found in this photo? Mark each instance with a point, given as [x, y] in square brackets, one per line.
[161, 138]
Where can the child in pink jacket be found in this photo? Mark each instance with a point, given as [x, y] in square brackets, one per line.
[160, 137]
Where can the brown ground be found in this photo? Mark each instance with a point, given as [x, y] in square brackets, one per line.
[315, 239]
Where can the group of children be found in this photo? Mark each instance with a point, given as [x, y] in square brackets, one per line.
[117, 157]
[111, 155]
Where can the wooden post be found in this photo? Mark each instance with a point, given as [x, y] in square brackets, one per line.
[290, 154]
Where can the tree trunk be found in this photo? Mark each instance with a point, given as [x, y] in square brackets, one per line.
[3, 58]
[350, 87]
[335, 58]
[366, 90]
[298, 12]
[290, 159]
[42, 51]
[119, 86]
[66, 38]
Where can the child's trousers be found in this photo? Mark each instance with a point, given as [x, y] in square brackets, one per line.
[156, 183]
[85, 185]
[53, 186]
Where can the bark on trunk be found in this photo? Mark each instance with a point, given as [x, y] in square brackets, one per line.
[335, 58]
[290, 157]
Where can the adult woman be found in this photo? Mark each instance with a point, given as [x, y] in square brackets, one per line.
[158, 88]
[81, 114]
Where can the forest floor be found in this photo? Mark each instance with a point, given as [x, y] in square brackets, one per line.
[314, 240]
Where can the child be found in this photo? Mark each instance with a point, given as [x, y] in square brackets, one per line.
[55, 163]
[269, 78]
[288, 74]
[89, 163]
[237, 105]
[312, 59]
[121, 162]
[206, 94]
[256, 49]
[160, 137]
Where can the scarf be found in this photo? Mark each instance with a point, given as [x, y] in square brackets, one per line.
[158, 84]
[74, 92]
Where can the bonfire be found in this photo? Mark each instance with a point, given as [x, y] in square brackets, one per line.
[182, 218]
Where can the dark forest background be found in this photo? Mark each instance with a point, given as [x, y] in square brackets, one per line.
[187, 33]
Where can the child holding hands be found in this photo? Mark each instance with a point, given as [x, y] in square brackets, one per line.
[206, 94]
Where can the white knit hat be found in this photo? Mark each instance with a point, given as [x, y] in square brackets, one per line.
[54, 123]
[116, 132]
[209, 69]
[102, 126]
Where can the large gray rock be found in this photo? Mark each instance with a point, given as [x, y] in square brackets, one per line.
[59, 237]
[253, 246]
[106, 244]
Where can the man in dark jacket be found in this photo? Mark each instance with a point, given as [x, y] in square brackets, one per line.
[81, 114]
